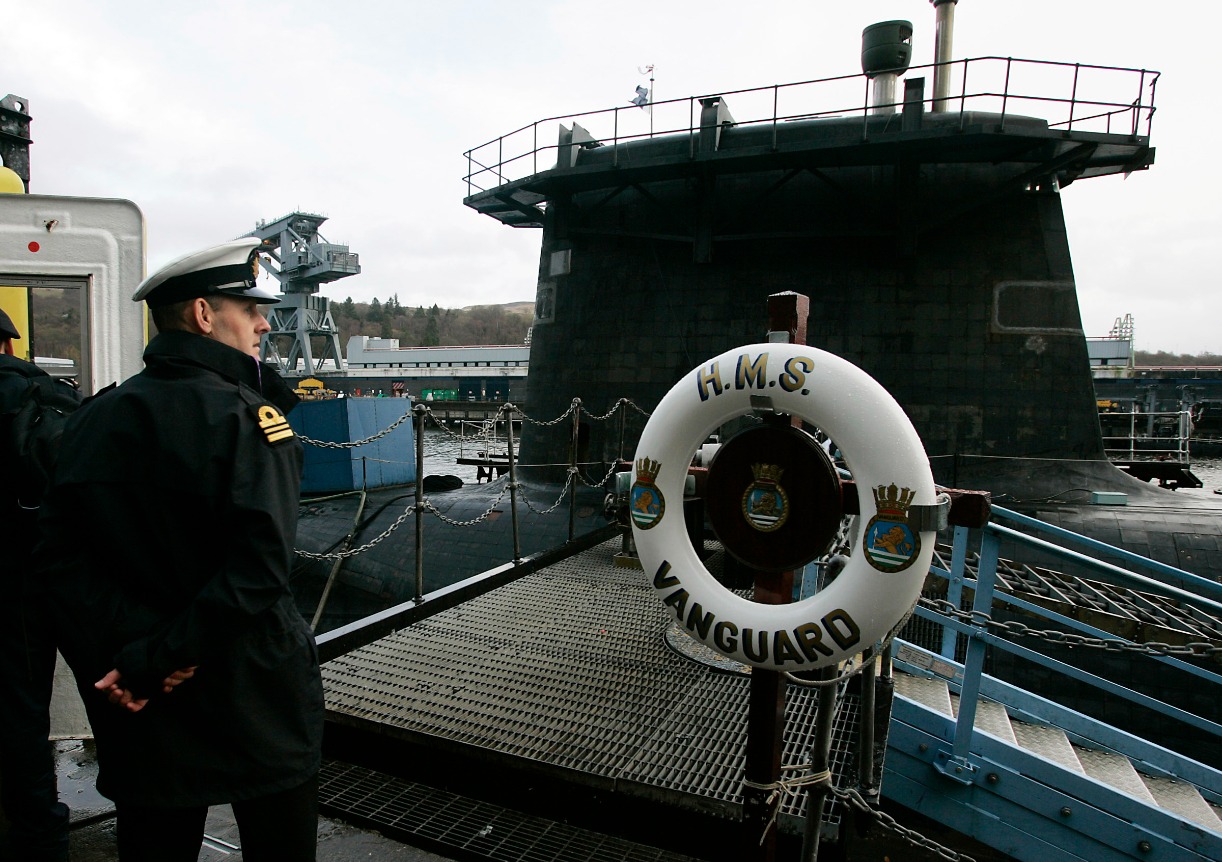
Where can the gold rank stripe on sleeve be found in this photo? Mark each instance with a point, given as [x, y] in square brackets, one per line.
[274, 425]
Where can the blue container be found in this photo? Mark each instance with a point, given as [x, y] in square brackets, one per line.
[389, 460]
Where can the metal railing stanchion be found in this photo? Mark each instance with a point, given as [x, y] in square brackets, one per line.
[513, 484]
[573, 467]
[420, 411]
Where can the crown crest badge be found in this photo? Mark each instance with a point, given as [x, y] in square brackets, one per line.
[767, 472]
[647, 470]
[646, 503]
[765, 505]
[889, 542]
[893, 502]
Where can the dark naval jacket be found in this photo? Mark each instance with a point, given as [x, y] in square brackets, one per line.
[167, 543]
[17, 522]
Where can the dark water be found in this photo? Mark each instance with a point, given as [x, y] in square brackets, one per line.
[442, 448]
[1209, 471]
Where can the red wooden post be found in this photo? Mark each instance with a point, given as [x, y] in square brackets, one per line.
[787, 313]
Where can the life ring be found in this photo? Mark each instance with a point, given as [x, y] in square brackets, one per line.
[882, 579]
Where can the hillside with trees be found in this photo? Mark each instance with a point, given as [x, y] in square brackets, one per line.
[57, 314]
[433, 326]
[1163, 358]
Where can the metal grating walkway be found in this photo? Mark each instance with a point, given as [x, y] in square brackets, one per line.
[456, 823]
[568, 668]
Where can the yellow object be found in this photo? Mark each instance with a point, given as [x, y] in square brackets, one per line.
[10, 183]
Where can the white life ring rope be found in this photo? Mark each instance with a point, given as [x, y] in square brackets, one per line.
[890, 557]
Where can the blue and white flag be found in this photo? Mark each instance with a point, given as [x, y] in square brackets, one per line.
[641, 99]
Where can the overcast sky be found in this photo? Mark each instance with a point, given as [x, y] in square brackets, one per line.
[216, 114]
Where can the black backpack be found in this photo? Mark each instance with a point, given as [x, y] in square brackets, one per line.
[32, 431]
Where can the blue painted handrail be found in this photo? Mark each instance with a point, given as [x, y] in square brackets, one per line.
[1158, 578]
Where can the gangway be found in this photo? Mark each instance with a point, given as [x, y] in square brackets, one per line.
[1048, 775]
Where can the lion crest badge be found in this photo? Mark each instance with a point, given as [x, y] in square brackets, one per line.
[646, 503]
[890, 542]
[765, 504]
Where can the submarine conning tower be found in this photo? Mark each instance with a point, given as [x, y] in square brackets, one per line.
[924, 223]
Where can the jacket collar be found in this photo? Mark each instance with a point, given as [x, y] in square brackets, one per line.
[174, 347]
[20, 366]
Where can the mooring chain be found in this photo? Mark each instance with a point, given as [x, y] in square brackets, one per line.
[1072, 639]
[545, 422]
[792, 786]
[603, 482]
[428, 505]
[485, 425]
[615, 409]
[327, 444]
[560, 499]
[855, 799]
[343, 555]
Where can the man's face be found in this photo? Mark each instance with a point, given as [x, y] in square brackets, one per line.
[239, 323]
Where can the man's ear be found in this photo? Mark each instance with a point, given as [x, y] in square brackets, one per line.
[199, 316]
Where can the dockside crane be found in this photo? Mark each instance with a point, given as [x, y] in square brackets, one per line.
[303, 262]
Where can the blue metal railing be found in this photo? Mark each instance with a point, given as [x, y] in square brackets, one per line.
[1159, 579]
[1126, 827]
[1074, 97]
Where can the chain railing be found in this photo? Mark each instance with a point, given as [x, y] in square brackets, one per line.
[506, 415]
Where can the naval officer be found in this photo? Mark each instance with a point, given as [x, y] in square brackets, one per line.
[37, 819]
[167, 544]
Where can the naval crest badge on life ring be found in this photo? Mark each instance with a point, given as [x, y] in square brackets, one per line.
[765, 503]
[648, 504]
[890, 543]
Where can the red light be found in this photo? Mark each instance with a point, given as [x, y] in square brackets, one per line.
[34, 246]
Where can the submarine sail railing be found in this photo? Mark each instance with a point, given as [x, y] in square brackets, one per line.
[1093, 97]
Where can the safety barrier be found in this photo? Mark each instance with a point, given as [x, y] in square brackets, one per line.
[1073, 97]
[1066, 778]
[421, 414]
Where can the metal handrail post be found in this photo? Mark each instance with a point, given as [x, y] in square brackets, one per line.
[775, 97]
[865, 729]
[865, 114]
[820, 761]
[573, 468]
[973, 664]
[954, 590]
[513, 484]
[615, 139]
[418, 420]
[623, 425]
[1073, 96]
[1150, 113]
[1005, 93]
[963, 97]
[691, 128]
